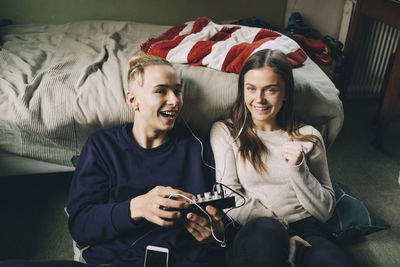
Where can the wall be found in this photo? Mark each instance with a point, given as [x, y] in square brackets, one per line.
[169, 12]
[324, 16]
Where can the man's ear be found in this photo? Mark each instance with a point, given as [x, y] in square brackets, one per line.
[130, 99]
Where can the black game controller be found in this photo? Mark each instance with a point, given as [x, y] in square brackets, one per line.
[216, 200]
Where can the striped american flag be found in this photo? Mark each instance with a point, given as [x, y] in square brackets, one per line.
[218, 46]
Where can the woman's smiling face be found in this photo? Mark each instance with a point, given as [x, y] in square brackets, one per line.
[264, 94]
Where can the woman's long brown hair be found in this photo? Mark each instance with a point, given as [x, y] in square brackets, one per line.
[250, 146]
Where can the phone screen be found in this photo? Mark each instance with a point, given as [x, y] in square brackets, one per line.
[156, 258]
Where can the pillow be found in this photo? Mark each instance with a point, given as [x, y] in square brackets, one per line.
[351, 218]
[74, 161]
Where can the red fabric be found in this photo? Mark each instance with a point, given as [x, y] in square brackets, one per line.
[315, 48]
[203, 48]
[168, 35]
[199, 24]
[222, 47]
[266, 35]
[238, 55]
[170, 39]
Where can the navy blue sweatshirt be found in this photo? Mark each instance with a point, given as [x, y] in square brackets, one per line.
[112, 170]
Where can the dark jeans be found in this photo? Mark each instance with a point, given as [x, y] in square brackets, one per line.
[51, 263]
[265, 242]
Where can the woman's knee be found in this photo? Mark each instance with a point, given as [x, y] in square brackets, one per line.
[261, 241]
[266, 224]
[267, 232]
[324, 253]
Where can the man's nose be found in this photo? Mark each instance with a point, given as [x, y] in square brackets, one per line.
[172, 98]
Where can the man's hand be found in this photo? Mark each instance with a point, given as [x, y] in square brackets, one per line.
[293, 242]
[200, 227]
[149, 206]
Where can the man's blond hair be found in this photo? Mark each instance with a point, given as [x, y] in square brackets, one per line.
[137, 64]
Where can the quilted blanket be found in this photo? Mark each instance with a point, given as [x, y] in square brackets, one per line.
[221, 47]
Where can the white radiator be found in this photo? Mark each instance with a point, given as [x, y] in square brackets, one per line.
[377, 45]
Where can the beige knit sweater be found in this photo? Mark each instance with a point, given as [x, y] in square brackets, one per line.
[288, 193]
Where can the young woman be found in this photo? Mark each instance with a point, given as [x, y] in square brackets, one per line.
[126, 175]
[280, 167]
